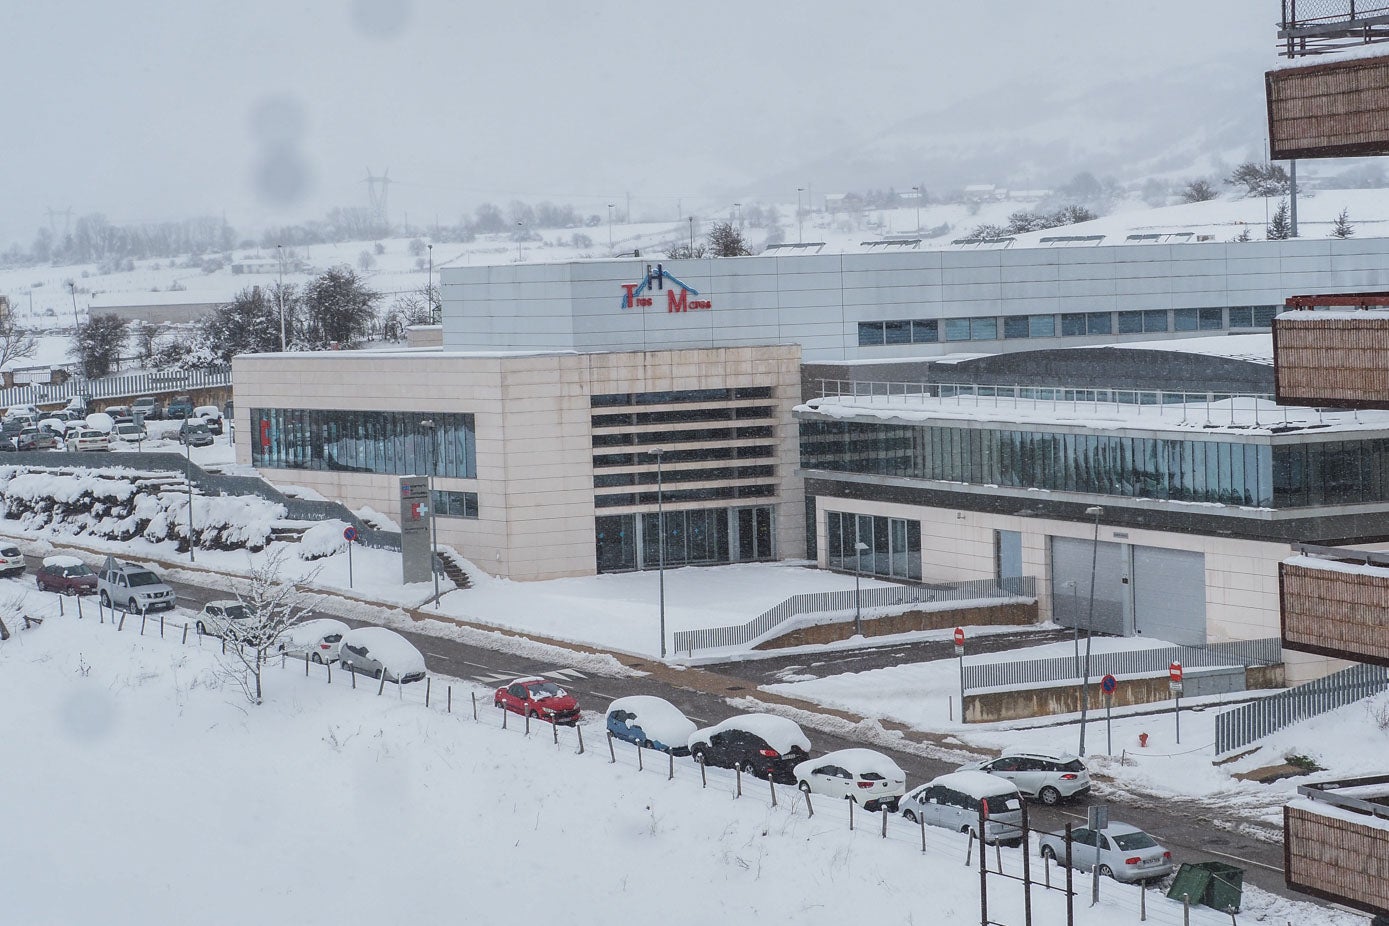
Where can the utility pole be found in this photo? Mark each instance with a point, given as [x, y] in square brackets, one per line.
[1292, 195]
[280, 292]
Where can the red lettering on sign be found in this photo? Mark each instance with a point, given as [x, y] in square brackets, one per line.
[676, 303]
[631, 290]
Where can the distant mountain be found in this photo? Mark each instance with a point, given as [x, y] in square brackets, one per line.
[1174, 124]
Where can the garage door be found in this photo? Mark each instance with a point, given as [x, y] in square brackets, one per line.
[1070, 584]
[1169, 595]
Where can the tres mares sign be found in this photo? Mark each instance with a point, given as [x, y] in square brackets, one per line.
[638, 295]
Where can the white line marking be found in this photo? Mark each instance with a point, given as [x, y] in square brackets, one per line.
[573, 673]
[601, 695]
[437, 656]
[478, 665]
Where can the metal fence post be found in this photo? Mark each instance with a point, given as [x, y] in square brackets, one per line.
[580, 730]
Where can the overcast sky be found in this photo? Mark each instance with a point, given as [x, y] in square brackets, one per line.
[272, 110]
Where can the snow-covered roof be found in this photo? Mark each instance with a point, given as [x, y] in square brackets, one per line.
[779, 732]
[1246, 415]
[977, 785]
[61, 560]
[115, 300]
[1255, 348]
[311, 630]
[388, 648]
[657, 717]
[858, 761]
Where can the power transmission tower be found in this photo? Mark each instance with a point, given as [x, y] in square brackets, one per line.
[67, 221]
[378, 189]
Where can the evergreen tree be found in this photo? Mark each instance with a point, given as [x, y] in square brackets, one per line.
[727, 241]
[1243, 235]
[249, 324]
[1343, 228]
[337, 307]
[1281, 228]
[97, 345]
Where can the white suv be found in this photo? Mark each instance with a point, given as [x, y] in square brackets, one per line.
[132, 588]
[1049, 777]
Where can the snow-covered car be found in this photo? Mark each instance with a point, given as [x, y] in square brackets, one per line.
[954, 801]
[87, 439]
[118, 411]
[1125, 853]
[35, 439]
[217, 616]
[376, 650]
[538, 697]
[24, 411]
[100, 421]
[319, 639]
[129, 433]
[651, 722]
[53, 424]
[194, 433]
[132, 588]
[66, 575]
[764, 745]
[1047, 776]
[11, 561]
[864, 776]
[211, 416]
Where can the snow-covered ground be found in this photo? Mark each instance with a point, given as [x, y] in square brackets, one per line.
[144, 790]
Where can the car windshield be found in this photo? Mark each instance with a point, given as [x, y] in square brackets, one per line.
[237, 612]
[546, 690]
[142, 578]
[1127, 842]
[74, 571]
[197, 429]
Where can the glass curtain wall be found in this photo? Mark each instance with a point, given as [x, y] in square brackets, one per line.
[364, 442]
[893, 545]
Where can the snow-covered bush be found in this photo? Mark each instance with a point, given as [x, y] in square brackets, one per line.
[323, 539]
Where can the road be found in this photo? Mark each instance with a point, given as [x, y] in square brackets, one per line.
[1190, 829]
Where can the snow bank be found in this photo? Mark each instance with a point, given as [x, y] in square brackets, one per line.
[323, 539]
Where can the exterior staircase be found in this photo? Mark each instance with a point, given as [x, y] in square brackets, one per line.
[447, 563]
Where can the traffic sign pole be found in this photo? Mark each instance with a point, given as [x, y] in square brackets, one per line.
[960, 651]
[349, 534]
[1108, 684]
[1174, 672]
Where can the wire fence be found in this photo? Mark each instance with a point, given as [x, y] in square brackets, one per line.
[687, 641]
[1236, 729]
[1321, 12]
[1015, 869]
[1262, 652]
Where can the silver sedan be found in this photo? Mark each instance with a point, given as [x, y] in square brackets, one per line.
[1126, 853]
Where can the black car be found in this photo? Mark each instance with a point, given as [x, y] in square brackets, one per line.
[764, 745]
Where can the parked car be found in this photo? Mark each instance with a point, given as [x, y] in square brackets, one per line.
[863, 776]
[651, 722]
[376, 650]
[538, 697]
[129, 432]
[24, 411]
[78, 404]
[210, 416]
[132, 588]
[1125, 853]
[11, 561]
[118, 412]
[180, 406]
[70, 428]
[87, 439]
[12, 425]
[149, 407]
[1049, 777]
[953, 801]
[217, 616]
[194, 433]
[66, 575]
[35, 439]
[764, 745]
[100, 421]
[319, 639]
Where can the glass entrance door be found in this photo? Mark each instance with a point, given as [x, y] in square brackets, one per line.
[754, 534]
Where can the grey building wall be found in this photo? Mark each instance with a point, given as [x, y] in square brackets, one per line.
[817, 301]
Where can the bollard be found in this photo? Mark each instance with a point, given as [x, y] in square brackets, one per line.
[703, 776]
[224, 646]
[639, 765]
[950, 707]
[528, 724]
[580, 731]
[284, 659]
[79, 607]
[382, 687]
[671, 775]
[1186, 910]
[772, 784]
[62, 612]
[809, 806]
[738, 778]
[1046, 870]
[142, 623]
[161, 626]
[121, 625]
[998, 855]
[427, 680]
[969, 848]
[329, 667]
[884, 815]
[504, 713]
[1142, 902]
[612, 756]
[306, 665]
[554, 730]
[922, 821]
[185, 634]
[352, 671]
[851, 816]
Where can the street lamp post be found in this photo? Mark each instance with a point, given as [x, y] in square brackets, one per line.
[75, 323]
[610, 228]
[917, 191]
[1096, 512]
[280, 292]
[692, 236]
[427, 425]
[738, 214]
[859, 549]
[800, 217]
[658, 452]
[520, 234]
[188, 478]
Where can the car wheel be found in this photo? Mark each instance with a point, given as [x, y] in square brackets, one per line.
[379, 672]
[69, 591]
[317, 658]
[202, 630]
[646, 744]
[497, 702]
[1048, 853]
[105, 600]
[698, 756]
[1049, 796]
[804, 786]
[1106, 871]
[910, 815]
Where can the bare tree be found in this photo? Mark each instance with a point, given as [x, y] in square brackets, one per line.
[272, 606]
[1198, 191]
[15, 344]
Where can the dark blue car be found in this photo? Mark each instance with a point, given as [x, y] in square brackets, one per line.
[653, 723]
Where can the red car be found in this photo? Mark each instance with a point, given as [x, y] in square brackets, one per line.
[66, 575]
[540, 698]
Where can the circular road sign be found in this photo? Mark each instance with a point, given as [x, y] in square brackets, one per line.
[1175, 671]
[959, 636]
[1109, 683]
[349, 533]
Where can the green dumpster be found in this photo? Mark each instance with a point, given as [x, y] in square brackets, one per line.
[1214, 884]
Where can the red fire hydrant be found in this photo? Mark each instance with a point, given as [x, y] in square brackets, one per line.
[1143, 740]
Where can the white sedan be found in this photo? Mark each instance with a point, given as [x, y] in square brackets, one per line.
[318, 639]
[87, 439]
[863, 776]
[217, 617]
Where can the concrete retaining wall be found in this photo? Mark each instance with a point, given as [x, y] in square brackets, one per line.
[1009, 613]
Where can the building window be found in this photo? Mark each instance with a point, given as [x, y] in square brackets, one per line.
[1007, 554]
[897, 332]
[1015, 326]
[892, 546]
[387, 443]
[1252, 316]
[1072, 324]
[1041, 326]
[455, 504]
[925, 331]
[1099, 323]
[870, 333]
[983, 329]
[1198, 319]
[957, 329]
